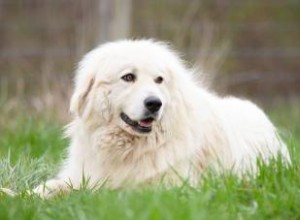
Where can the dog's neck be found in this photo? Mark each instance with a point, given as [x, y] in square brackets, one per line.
[111, 138]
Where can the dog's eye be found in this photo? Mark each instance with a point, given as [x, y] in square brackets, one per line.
[129, 77]
[159, 80]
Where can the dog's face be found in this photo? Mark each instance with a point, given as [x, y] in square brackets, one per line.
[127, 83]
[138, 97]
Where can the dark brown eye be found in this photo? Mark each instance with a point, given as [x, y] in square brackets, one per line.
[129, 77]
[159, 80]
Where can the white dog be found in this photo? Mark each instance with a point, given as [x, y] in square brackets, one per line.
[140, 117]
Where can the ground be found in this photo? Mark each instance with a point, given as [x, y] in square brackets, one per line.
[30, 151]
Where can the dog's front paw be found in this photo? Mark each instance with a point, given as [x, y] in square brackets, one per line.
[52, 188]
[9, 192]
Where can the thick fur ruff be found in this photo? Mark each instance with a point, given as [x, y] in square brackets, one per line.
[194, 129]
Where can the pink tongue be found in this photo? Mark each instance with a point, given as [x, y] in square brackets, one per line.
[145, 123]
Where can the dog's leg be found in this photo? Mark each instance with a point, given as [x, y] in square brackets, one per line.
[52, 188]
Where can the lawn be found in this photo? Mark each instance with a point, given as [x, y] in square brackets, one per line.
[31, 149]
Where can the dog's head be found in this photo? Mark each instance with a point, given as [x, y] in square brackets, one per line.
[128, 83]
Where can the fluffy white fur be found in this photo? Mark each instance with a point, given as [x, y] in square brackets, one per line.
[193, 130]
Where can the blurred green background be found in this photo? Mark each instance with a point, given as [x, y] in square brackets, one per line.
[247, 48]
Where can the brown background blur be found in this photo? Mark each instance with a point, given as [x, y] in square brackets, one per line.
[248, 48]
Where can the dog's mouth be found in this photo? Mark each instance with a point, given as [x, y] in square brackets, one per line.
[143, 126]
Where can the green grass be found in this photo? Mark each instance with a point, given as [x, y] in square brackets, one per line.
[30, 151]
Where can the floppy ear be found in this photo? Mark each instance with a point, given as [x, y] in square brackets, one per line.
[79, 98]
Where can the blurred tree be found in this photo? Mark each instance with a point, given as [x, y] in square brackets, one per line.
[115, 19]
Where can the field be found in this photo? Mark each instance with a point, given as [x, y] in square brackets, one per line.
[31, 148]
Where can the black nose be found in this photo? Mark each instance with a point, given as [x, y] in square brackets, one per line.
[153, 104]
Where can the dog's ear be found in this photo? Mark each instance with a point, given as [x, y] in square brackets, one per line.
[83, 88]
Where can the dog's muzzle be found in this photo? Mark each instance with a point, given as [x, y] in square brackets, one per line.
[152, 106]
